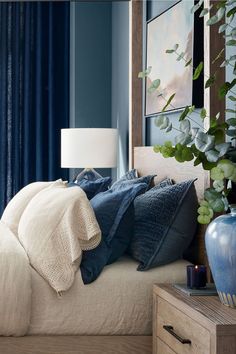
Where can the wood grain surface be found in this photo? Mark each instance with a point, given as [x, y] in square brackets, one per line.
[209, 325]
[76, 345]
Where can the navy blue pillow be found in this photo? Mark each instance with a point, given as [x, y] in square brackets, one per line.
[93, 187]
[123, 181]
[165, 224]
[116, 221]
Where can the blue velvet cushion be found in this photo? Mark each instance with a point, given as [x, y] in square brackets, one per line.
[92, 187]
[115, 216]
[165, 224]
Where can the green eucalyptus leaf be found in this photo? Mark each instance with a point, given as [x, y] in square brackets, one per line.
[185, 126]
[144, 73]
[197, 161]
[204, 12]
[197, 6]
[220, 13]
[169, 128]
[188, 62]
[156, 148]
[227, 167]
[231, 42]
[211, 194]
[231, 132]
[231, 122]
[229, 110]
[183, 139]
[222, 28]
[198, 71]
[170, 51]
[191, 109]
[204, 141]
[232, 58]
[217, 205]
[162, 122]
[203, 113]
[212, 155]
[183, 153]
[232, 98]
[204, 203]
[203, 219]
[218, 185]
[224, 89]
[231, 12]
[210, 81]
[212, 20]
[184, 113]
[204, 210]
[154, 85]
[194, 132]
[217, 174]
[168, 102]
[230, 2]
[222, 148]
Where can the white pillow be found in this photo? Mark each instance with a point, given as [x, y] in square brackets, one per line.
[15, 208]
[55, 227]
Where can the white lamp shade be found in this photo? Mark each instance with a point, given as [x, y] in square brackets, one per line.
[88, 148]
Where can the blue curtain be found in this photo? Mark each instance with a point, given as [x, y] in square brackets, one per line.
[34, 92]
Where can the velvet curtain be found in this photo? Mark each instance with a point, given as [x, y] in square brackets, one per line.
[34, 92]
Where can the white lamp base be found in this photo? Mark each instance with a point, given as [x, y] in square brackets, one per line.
[88, 173]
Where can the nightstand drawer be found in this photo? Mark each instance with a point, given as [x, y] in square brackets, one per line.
[174, 328]
[162, 348]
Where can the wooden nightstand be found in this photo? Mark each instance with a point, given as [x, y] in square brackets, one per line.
[185, 324]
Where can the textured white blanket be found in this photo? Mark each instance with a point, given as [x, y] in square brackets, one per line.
[15, 285]
[57, 224]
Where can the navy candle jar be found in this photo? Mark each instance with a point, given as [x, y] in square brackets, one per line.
[196, 276]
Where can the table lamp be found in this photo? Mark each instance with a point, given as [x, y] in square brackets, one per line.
[88, 148]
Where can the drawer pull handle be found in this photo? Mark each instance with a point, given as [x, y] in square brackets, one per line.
[170, 330]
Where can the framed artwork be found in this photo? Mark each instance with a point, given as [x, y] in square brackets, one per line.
[174, 26]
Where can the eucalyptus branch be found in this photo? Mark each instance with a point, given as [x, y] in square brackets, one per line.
[189, 117]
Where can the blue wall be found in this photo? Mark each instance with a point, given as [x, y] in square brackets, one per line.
[93, 64]
[100, 70]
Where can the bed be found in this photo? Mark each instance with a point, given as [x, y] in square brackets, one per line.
[117, 308]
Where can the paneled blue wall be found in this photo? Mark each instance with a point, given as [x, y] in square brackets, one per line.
[93, 35]
[100, 70]
[120, 80]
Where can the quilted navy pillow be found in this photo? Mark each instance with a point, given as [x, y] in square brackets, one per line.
[165, 224]
[93, 187]
[115, 218]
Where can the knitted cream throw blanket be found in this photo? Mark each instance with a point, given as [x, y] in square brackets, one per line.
[56, 226]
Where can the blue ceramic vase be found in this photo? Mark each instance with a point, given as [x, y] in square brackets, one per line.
[221, 251]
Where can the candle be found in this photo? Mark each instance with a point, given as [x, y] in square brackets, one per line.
[196, 276]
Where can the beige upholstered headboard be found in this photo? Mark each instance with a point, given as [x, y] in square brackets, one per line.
[146, 161]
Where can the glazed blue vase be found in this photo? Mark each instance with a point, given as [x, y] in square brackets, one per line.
[221, 251]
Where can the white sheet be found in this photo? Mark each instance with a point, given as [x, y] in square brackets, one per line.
[119, 302]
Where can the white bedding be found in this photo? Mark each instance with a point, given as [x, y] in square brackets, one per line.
[118, 302]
